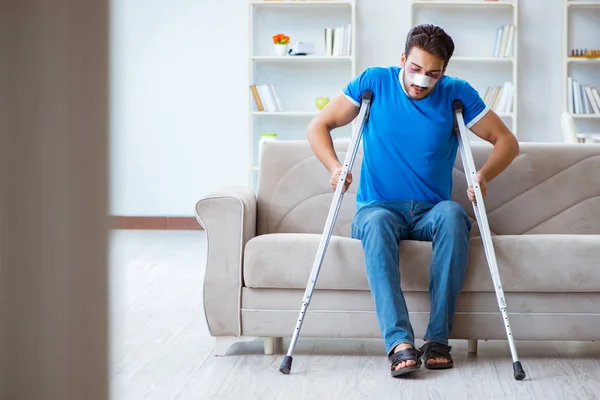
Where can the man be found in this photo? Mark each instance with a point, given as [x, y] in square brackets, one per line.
[406, 182]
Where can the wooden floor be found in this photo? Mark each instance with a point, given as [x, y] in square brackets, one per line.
[162, 349]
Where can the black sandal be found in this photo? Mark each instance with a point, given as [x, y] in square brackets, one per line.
[433, 350]
[405, 355]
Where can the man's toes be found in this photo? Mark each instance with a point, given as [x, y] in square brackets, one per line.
[400, 365]
[404, 364]
[438, 360]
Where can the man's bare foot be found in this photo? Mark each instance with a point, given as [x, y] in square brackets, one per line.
[437, 360]
[436, 355]
[403, 364]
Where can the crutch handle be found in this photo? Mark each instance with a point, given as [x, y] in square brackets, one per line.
[367, 95]
[457, 105]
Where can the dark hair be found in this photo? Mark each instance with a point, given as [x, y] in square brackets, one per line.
[432, 39]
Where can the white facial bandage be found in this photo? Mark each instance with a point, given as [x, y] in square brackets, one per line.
[421, 80]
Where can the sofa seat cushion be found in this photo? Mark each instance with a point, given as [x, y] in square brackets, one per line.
[527, 263]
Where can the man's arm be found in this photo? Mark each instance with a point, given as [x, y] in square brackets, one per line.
[338, 112]
[506, 148]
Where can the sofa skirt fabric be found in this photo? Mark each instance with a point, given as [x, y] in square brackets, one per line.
[350, 314]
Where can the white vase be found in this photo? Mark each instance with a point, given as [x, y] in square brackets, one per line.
[281, 49]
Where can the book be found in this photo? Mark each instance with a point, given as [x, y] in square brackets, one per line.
[581, 98]
[338, 41]
[505, 38]
[500, 98]
[266, 98]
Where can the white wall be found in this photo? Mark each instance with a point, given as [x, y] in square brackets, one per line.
[180, 91]
[178, 102]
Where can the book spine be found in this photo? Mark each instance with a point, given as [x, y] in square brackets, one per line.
[259, 104]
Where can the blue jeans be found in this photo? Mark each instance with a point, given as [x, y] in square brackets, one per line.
[380, 227]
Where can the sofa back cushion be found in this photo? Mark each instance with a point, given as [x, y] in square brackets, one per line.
[549, 188]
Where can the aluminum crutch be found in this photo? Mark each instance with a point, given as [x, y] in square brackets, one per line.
[484, 229]
[363, 116]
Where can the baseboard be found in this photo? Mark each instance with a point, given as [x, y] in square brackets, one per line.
[155, 223]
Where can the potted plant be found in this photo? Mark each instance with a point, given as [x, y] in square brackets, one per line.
[281, 42]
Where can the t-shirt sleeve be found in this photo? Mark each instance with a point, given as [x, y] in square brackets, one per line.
[355, 89]
[474, 107]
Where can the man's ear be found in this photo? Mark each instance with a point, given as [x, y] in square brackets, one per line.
[403, 59]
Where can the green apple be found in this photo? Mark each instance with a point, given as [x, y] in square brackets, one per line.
[321, 102]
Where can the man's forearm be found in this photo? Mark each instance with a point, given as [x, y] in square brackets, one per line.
[337, 113]
[504, 152]
[319, 137]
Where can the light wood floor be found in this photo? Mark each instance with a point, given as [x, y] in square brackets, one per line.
[162, 349]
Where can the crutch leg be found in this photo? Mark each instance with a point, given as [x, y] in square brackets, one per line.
[363, 116]
[482, 221]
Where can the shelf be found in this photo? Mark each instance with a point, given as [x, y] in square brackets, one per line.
[583, 4]
[478, 3]
[583, 60]
[300, 3]
[302, 59]
[586, 116]
[301, 78]
[284, 113]
[484, 59]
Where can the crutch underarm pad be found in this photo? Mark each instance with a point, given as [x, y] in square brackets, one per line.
[367, 95]
[457, 105]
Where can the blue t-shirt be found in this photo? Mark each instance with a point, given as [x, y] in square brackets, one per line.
[409, 145]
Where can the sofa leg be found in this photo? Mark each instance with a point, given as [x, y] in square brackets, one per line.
[278, 345]
[223, 343]
[472, 346]
[269, 345]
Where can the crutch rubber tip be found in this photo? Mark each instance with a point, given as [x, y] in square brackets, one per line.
[286, 365]
[519, 373]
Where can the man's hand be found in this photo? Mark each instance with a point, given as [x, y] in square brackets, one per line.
[335, 178]
[479, 178]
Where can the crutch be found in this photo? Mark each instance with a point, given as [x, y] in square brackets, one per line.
[484, 229]
[363, 116]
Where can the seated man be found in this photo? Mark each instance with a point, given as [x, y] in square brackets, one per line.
[406, 182]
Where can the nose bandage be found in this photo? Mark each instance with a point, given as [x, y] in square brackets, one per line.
[421, 80]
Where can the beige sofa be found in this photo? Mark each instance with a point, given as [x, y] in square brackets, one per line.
[544, 213]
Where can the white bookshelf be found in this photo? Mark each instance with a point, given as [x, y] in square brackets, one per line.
[300, 3]
[580, 19]
[474, 27]
[303, 59]
[298, 80]
[473, 3]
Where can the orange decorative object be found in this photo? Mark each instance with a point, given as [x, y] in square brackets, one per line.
[280, 38]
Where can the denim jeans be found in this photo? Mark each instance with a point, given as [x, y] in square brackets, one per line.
[380, 227]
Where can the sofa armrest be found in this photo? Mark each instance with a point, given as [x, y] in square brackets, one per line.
[228, 217]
